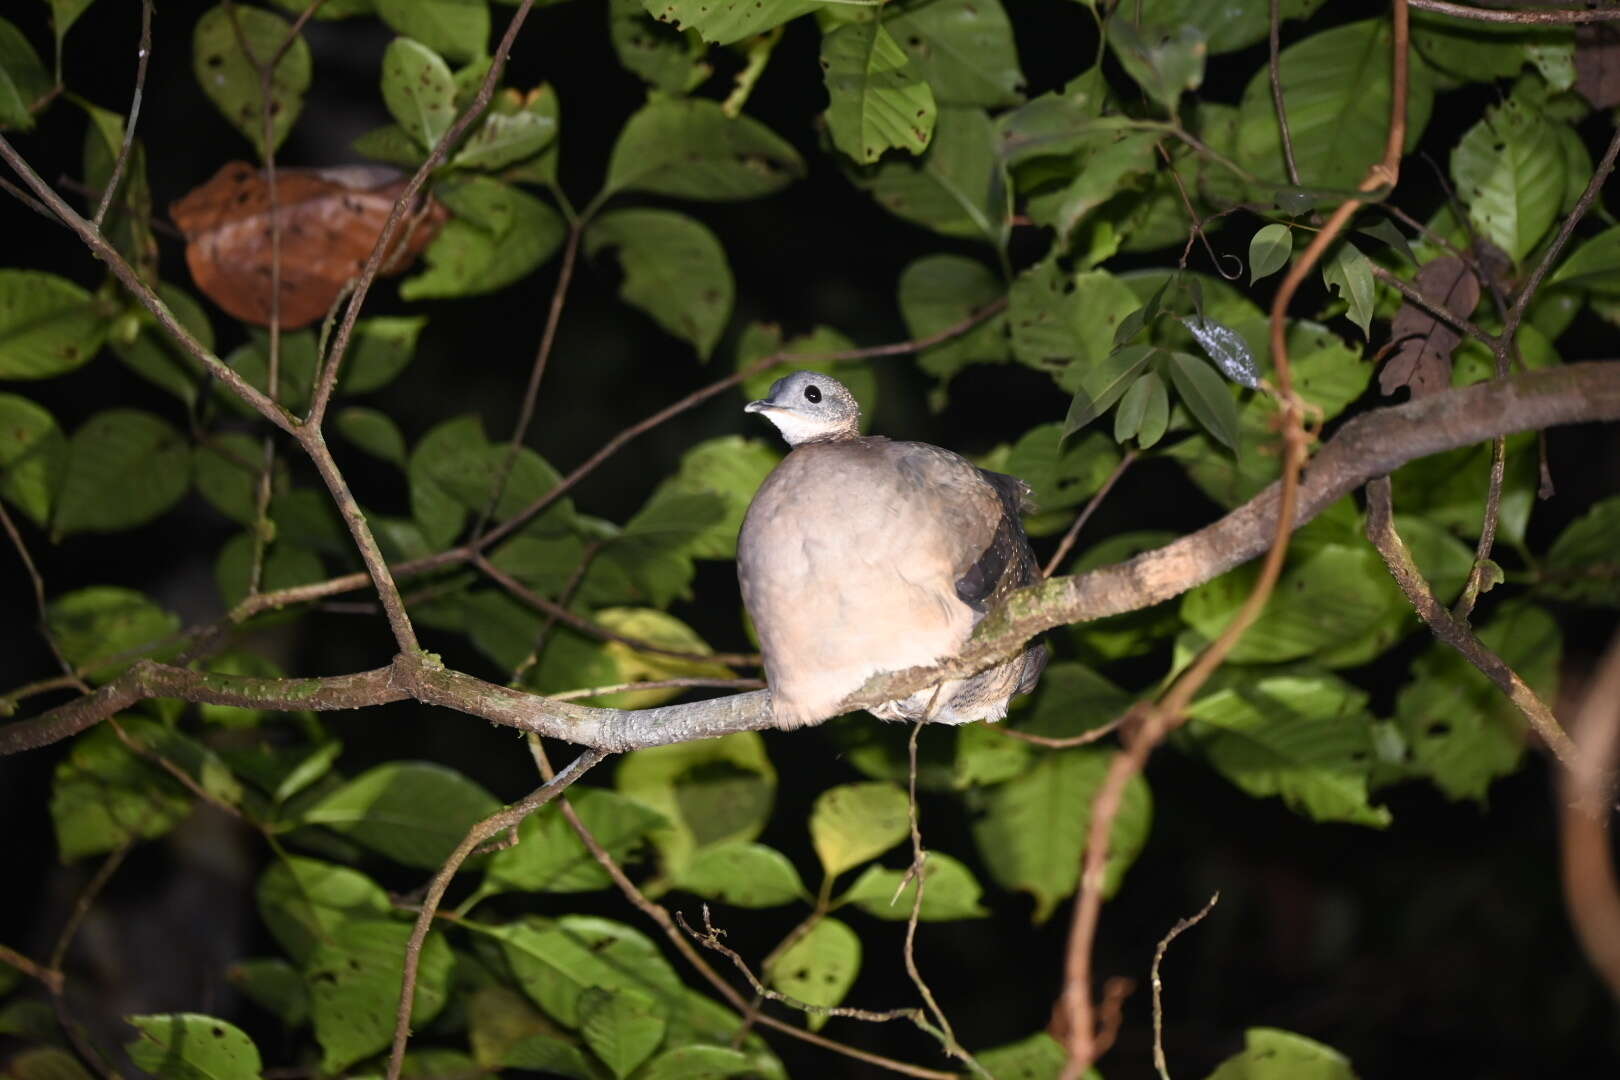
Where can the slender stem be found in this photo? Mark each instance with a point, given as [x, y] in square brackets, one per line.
[143, 54]
[1158, 959]
[1275, 69]
[1069, 537]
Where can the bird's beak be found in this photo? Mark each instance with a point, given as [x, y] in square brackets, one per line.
[758, 406]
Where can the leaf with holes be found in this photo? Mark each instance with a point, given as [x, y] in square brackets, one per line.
[1348, 272]
[963, 48]
[419, 90]
[1509, 172]
[1033, 831]
[229, 45]
[191, 1046]
[878, 101]
[354, 987]
[1165, 61]
[819, 968]
[725, 21]
[48, 325]
[954, 188]
[689, 149]
[674, 270]
[743, 874]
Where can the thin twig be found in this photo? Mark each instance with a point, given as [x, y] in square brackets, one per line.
[1055, 742]
[1452, 630]
[1158, 984]
[657, 684]
[143, 54]
[1274, 68]
[50, 977]
[1067, 543]
[86, 898]
[1434, 308]
[507, 818]
[72, 677]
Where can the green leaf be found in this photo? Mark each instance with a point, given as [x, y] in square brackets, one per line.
[390, 144]
[1038, 1057]
[1033, 831]
[23, 79]
[953, 189]
[103, 796]
[124, 468]
[949, 892]
[556, 961]
[46, 1063]
[1462, 732]
[698, 1063]
[1336, 85]
[498, 235]
[1165, 61]
[419, 90]
[304, 901]
[1103, 384]
[1583, 565]
[710, 792]
[878, 100]
[689, 149]
[190, 1046]
[227, 469]
[1207, 396]
[1112, 160]
[1595, 265]
[1475, 51]
[742, 874]
[674, 270]
[354, 981]
[48, 325]
[852, 823]
[663, 57]
[964, 50]
[1057, 123]
[1272, 1054]
[154, 355]
[984, 755]
[549, 855]
[1061, 473]
[383, 345]
[1225, 29]
[92, 626]
[372, 431]
[1348, 272]
[730, 468]
[410, 811]
[1269, 250]
[33, 451]
[1509, 172]
[623, 1027]
[1304, 737]
[548, 1054]
[938, 292]
[458, 29]
[1064, 323]
[275, 986]
[1132, 404]
[295, 375]
[726, 21]
[229, 43]
[819, 968]
[515, 127]
[499, 1019]
[652, 549]
[1156, 415]
[285, 565]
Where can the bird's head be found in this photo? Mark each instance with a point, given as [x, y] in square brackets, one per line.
[808, 406]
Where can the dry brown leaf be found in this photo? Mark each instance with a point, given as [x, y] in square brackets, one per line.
[1423, 344]
[330, 220]
[1597, 64]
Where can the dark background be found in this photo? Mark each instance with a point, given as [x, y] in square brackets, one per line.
[1440, 939]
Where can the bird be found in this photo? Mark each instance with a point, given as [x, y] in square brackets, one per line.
[862, 554]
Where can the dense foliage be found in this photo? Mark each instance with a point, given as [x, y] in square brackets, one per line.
[1105, 240]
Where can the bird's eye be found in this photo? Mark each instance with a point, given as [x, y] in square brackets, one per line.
[812, 394]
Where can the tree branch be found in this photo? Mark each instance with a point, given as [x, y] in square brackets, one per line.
[1370, 446]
